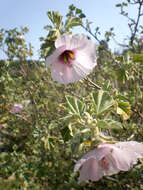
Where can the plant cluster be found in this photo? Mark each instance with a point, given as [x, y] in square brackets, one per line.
[45, 126]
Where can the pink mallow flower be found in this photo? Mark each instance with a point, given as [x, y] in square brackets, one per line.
[108, 159]
[73, 59]
[17, 108]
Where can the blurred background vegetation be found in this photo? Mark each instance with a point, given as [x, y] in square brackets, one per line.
[40, 145]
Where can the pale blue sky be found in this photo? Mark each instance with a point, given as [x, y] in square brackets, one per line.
[32, 13]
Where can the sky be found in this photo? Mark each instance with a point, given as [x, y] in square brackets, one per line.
[32, 14]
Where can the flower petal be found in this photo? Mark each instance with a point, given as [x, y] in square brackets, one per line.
[124, 158]
[111, 167]
[63, 73]
[87, 60]
[54, 56]
[109, 159]
[133, 145]
[78, 41]
[77, 68]
[90, 170]
[97, 153]
[17, 108]
[81, 70]
[63, 40]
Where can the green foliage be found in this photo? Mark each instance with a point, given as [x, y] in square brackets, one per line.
[73, 19]
[56, 19]
[58, 123]
[137, 58]
[13, 44]
[75, 106]
[72, 22]
[102, 102]
[123, 109]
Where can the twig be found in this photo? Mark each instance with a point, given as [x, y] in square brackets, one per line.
[94, 36]
[137, 23]
[119, 44]
[92, 83]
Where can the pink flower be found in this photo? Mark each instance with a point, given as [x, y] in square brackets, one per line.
[73, 59]
[17, 108]
[108, 159]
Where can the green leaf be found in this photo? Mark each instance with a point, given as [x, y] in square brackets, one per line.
[102, 101]
[48, 142]
[82, 15]
[66, 133]
[78, 11]
[72, 7]
[123, 109]
[122, 75]
[119, 58]
[124, 4]
[109, 124]
[55, 18]
[75, 106]
[137, 58]
[48, 27]
[118, 5]
[72, 22]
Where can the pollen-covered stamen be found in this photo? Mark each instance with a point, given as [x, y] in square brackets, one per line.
[67, 56]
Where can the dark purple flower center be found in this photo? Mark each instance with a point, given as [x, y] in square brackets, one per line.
[67, 56]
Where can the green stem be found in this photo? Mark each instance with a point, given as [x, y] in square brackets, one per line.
[92, 83]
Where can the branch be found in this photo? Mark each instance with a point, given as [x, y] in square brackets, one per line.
[94, 36]
[137, 23]
[119, 44]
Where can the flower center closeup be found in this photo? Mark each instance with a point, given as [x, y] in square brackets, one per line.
[67, 56]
